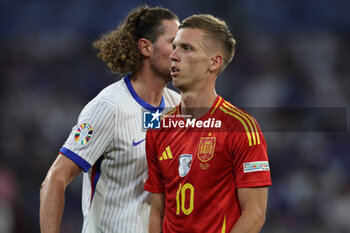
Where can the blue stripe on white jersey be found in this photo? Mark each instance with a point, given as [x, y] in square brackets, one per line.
[141, 101]
[119, 202]
[95, 176]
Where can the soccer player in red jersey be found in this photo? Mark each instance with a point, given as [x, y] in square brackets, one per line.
[208, 165]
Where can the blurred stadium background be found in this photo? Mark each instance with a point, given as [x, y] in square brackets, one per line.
[289, 53]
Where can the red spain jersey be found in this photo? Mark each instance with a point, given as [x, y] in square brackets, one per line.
[200, 163]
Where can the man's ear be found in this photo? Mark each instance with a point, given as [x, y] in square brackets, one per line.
[145, 47]
[216, 62]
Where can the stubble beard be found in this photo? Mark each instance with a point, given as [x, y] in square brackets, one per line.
[161, 70]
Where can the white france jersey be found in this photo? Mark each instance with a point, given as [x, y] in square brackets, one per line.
[108, 144]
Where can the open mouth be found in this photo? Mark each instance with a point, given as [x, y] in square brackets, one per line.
[174, 71]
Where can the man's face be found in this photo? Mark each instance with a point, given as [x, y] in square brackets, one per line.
[160, 61]
[190, 59]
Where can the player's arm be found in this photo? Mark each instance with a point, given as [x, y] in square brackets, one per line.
[253, 203]
[61, 173]
[157, 213]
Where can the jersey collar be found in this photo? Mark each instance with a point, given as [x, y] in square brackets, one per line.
[212, 109]
[143, 103]
[217, 102]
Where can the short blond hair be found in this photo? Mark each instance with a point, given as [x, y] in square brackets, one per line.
[216, 30]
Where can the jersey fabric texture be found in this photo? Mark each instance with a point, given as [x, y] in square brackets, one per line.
[108, 144]
[199, 169]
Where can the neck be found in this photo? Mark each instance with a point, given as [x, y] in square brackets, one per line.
[196, 104]
[148, 86]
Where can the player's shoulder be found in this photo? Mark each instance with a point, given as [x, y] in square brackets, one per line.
[241, 123]
[108, 101]
[235, 116]
[113, 94]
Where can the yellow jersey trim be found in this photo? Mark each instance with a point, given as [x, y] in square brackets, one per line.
[217, 104]
[223, 229]
[169, 113]
[242, 122]
[249, 120]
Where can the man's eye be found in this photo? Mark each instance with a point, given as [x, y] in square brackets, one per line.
[187, 48]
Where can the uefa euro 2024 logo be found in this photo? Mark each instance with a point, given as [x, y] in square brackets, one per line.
[151, 119]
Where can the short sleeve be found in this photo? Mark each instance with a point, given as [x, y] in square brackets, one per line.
[91, 135]
[155, 180]
[250, 160]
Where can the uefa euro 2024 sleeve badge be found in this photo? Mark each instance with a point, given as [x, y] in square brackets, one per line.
[83, 134]
[185, 162]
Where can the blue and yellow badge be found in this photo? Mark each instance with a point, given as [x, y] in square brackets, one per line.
[206, 148]
[83, 134]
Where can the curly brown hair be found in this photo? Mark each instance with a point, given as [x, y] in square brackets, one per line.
[118, 48]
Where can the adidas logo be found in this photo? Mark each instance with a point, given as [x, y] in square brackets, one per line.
[166, 154]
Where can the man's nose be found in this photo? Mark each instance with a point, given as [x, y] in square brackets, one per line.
[173, 56]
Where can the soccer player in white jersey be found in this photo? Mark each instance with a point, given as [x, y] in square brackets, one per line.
[107, 143]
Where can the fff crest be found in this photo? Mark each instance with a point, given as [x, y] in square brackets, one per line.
[206, 148]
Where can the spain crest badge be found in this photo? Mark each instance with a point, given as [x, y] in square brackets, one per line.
[206, 148]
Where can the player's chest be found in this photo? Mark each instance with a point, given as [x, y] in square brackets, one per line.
[129, 136]
[194, 153]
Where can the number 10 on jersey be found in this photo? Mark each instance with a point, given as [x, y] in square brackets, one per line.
[181, 198]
